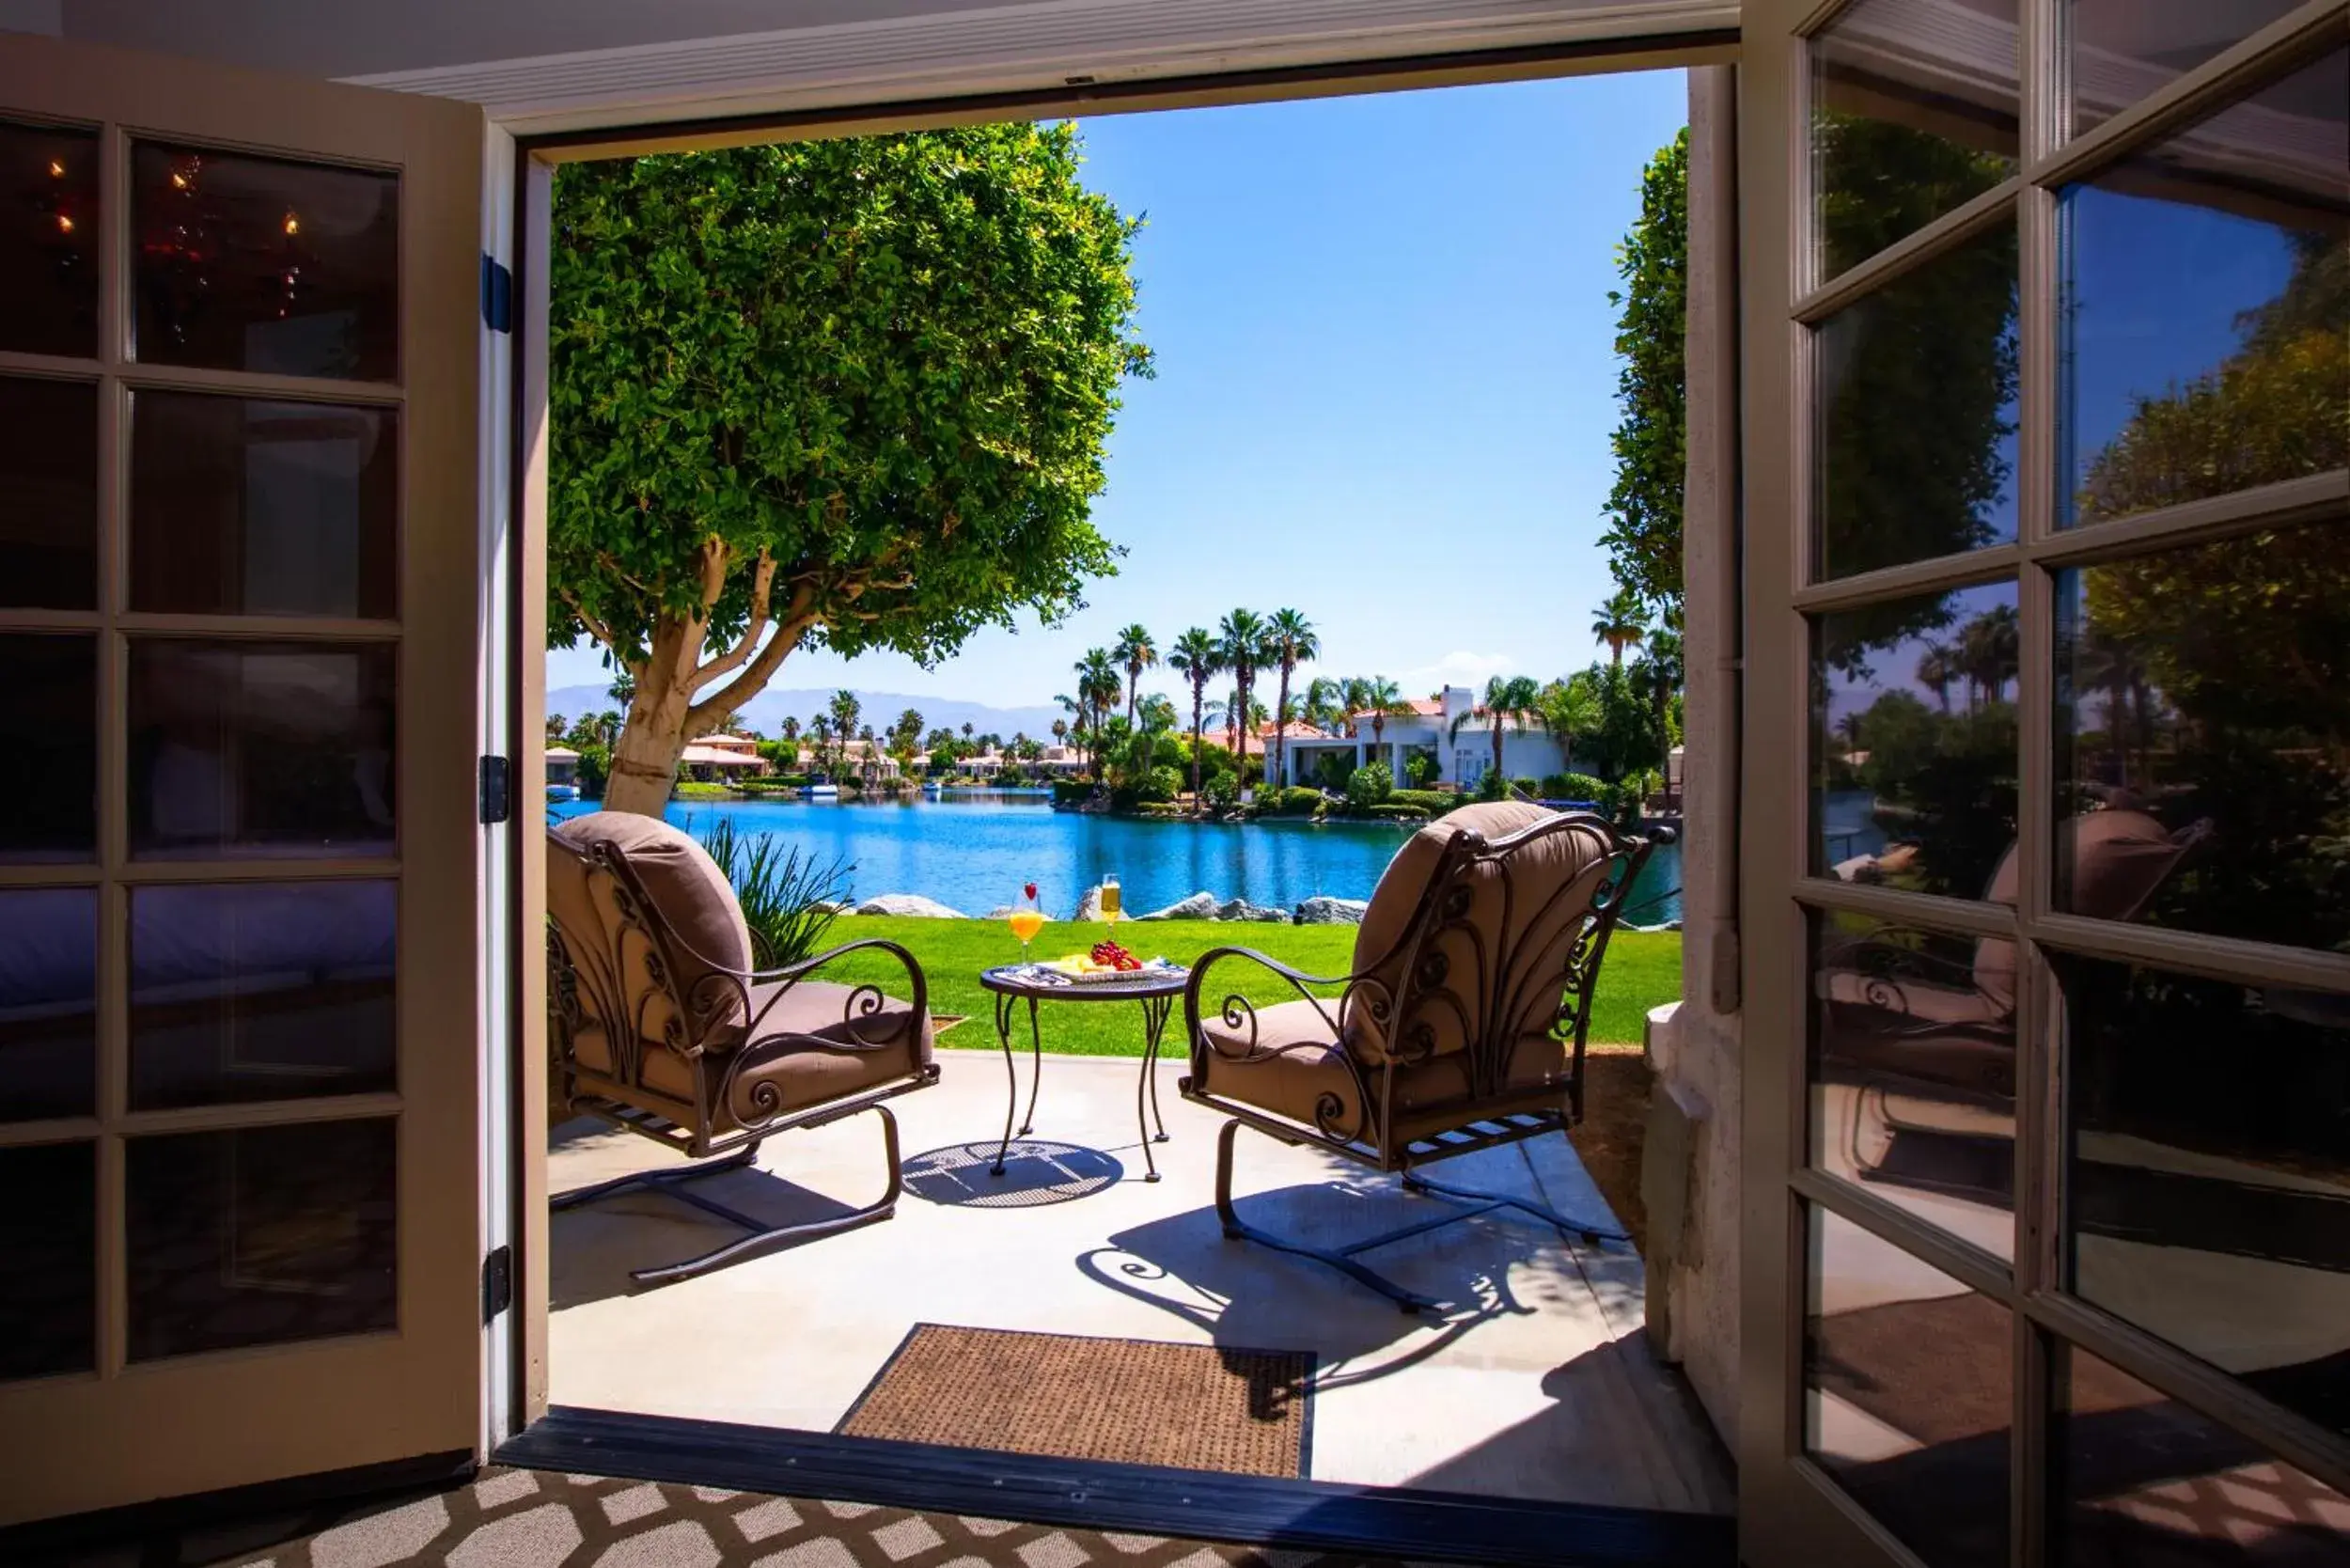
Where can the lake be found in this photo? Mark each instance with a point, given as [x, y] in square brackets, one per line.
[974, 854]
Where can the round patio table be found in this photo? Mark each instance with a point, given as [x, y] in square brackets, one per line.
[1013, 983]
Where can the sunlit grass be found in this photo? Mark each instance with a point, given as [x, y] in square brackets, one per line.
[1642, 970]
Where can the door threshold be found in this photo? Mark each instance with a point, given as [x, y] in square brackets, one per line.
[1384, 1521]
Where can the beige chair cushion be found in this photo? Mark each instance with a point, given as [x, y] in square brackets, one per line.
[798, 1080]
[1550, 867]
[688, 889]
[2119, 858]
[1429, 1099]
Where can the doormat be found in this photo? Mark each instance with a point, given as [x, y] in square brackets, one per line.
[1130, 1402]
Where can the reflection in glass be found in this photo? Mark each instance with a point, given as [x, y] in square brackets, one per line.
[1907, 1384]
[1915, 396]
[47, 1003]
[2206, 309]
[1913, 1070]
[1906, 124]
[2204, 704]
[47, 746]
[2144, 1481]
[246, 508]
[2121, 51]
[261, 747]
[2208, 1171]
[1914, 741]
[250, 263]
[261, 991]
[48, 1235]
[47, 495]
[49, 241]
[261, 1235]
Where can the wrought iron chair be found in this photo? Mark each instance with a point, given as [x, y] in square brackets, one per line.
[1461, 1027]
[662, 1027]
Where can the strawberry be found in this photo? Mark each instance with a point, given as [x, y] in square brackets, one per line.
[1030, 889]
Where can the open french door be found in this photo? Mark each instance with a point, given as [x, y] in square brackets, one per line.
[2046, 1158]
[240, 903]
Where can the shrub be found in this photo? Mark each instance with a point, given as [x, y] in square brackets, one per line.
[1490, 787]
[1072, 792]
[1525, 786]
[595, 766]
[1434, 803]
[1396, 810]
[1369, 785]
[1332, 769]
[695, 789]
[1578, 786]
[1421, 770]
[786, 895]
[1219, 790]
[1162, 785]
[1296, 801]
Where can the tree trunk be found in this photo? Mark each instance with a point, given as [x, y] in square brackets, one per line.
[1281, 727]
[1498, 773]
[644, 760]
[1199, 701]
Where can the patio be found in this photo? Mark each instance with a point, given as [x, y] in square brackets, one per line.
[1538, 1385]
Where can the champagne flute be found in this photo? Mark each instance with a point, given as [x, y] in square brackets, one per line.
[1110, 900]
[1027, 921]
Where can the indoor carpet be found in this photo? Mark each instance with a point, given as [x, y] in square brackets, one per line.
[537, 1519]
[1075, 1396]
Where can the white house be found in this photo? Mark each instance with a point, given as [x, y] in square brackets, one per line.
[1451, 727]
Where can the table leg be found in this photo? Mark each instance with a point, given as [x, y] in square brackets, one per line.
[1154, 1012]
[1011, 1075]
[1036, 1069]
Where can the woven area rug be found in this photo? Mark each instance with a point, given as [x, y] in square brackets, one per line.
[1132, 1402]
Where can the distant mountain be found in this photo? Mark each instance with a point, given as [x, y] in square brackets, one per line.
[766, 712]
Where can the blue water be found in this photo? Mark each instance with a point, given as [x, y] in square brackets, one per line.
[973, 855]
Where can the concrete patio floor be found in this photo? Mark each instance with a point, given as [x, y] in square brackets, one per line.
[1538, 1385]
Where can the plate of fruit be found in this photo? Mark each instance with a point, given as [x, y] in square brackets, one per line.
[1107, 961]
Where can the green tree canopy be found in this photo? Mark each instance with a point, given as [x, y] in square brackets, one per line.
[1643, 534]
[849, 393]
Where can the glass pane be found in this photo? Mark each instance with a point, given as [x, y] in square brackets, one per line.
[2204, 738]
[261, 991]
[49, 255]
[2206, 320]
[1915, 438]
[2144, 1481]
[1914, 743]
[47, 746]
[1907, 124]
[47, 495]
[1913, 1071]
[262, 1237]
[49, 1235]
[243, 748]
[1907, 1381]
[47, 1003]
[2122, 51]
[247, 507]
[2208, 1171]
[263, 264]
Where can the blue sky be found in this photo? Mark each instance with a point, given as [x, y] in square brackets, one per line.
[1385, 384]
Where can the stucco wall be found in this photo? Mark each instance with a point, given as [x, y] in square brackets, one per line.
[1693, 1278]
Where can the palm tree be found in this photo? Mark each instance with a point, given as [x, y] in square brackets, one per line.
[1506, 697]
[1620, 623]
[1355, 692]
[1569, 708]
[1099, 685]
[1382, 699]
[1325, 706]
[1291, 638]
[1061, 729]
[1199, 658]
[556, 728]
[1938, 667]
[1243, 634]
[1136, 653]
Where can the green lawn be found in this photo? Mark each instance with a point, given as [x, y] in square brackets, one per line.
[1642, 971]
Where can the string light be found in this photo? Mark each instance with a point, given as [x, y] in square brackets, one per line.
[56, 169]
[64, 224]
[294, 225]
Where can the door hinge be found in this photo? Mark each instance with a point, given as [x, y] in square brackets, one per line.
[498, 294]
[497, 789]
[498, 1283]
